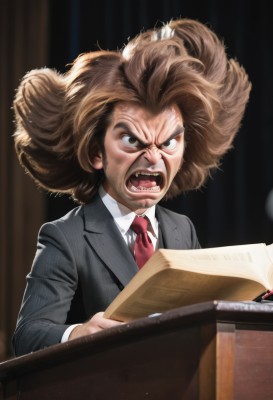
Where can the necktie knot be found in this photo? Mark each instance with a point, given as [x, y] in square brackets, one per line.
[143, 247]
[140, 225]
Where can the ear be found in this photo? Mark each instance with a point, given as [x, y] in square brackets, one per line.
[96, 161]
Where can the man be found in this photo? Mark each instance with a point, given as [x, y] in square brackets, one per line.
[120, 131]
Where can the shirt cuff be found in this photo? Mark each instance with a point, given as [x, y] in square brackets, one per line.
[67, 332]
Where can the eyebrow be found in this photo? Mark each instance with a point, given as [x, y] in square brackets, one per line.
[122, 125]
[178, 131]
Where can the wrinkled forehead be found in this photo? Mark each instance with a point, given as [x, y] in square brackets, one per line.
[139, 110]
[146, 125]
[141, 119]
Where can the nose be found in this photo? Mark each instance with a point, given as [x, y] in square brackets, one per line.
[152, 154]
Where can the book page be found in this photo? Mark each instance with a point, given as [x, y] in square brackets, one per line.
[269, 249]
[173, 278]
[245, 261]
[172, 288]
[270, 269]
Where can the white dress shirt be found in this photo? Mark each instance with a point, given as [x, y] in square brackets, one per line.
[123, 218]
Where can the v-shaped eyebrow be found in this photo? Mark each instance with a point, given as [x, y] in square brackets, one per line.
[122, 125]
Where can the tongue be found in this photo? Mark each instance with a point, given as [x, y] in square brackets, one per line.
[143, 181]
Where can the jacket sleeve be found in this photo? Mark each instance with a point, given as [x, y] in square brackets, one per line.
[51, 286]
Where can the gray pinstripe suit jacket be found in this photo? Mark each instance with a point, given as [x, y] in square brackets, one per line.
[80, 266]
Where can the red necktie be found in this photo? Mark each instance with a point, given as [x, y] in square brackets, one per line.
[143, 247]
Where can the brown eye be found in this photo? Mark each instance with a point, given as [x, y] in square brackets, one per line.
[130, 141]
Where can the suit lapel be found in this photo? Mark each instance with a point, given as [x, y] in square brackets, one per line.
[168, 228]
[106, 240]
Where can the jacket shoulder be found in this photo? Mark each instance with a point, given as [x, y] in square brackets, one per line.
[174, 216]
[180, 225]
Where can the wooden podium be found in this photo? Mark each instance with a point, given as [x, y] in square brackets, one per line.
[216, 350]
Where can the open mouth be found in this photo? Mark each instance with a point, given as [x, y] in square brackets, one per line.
[145, 181]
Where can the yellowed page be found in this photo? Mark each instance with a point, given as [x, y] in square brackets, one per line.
[172, 288]
[270, 268]
[246, 261]
[223, 273]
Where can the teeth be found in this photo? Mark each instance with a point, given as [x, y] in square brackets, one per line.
[147, 173]
[153, 189]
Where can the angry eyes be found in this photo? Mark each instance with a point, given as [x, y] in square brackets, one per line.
[131, 142]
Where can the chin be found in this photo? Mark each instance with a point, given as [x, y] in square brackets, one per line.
[143, 200]
[145, 203]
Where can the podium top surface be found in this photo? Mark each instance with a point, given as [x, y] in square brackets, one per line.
[214, 311]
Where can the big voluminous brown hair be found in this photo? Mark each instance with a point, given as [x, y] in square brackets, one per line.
[61, 118]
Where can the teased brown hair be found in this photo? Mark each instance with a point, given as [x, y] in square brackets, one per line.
[61, 118]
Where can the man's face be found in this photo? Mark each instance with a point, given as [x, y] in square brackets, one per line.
[142, 154]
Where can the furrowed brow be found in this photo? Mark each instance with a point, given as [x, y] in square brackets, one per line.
[178, 131]
[125, 127]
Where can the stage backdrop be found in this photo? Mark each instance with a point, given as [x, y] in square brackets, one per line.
[231, 208]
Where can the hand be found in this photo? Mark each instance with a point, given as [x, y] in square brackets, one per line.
[95, 324]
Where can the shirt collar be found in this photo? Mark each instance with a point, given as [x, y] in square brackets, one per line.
[123, 216]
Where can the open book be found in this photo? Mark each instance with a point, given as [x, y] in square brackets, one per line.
[175, 278]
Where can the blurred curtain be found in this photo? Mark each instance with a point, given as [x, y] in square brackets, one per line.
[231, 207]
[23, 45]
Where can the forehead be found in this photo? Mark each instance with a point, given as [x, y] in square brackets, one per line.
[136, 114]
